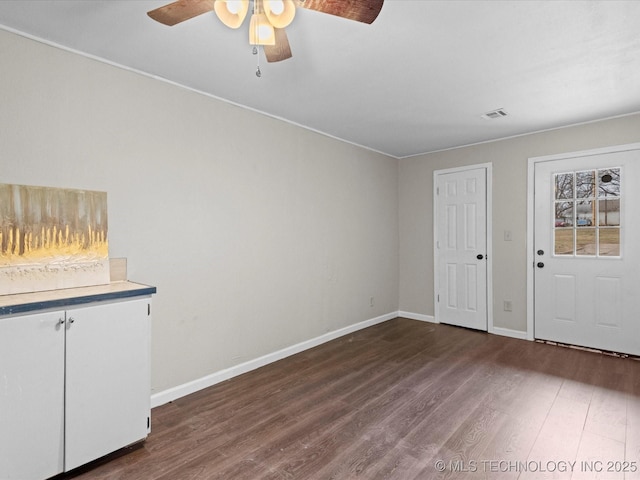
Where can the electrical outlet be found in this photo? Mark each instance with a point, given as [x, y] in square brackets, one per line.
[508, 306]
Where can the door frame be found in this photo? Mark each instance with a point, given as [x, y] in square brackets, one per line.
[531, 216]
[488, 167]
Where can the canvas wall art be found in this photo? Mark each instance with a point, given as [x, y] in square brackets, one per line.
[52, 238]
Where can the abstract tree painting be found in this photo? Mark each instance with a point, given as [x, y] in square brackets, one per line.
[52, 238]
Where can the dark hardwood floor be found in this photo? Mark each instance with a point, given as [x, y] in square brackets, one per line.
[401, 400]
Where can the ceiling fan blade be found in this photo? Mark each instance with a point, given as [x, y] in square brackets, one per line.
[281, 50]
[182, 10]
[365, 11]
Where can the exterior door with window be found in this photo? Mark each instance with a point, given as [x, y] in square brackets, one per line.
[461, 247]
[586, 261]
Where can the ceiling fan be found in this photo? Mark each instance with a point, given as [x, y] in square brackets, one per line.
[269, 17]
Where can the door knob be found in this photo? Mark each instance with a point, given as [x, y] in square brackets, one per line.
[540, 265]
[540, 252]
[479, 256]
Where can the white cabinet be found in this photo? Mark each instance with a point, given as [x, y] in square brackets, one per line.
[31, 396]
[74, 386]
[107, 401]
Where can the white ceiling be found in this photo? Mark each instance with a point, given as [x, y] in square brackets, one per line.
[417, 80]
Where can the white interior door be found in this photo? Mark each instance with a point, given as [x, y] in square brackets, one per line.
[586, 275]
[461, 247]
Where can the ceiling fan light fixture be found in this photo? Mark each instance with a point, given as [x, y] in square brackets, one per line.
[269, 17]
[279, 12]
[231, 12]
[261, 32]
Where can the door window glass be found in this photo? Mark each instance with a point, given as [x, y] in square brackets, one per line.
[587, 213]
[564, 186]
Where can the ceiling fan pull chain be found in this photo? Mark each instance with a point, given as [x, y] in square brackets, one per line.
[255, 52]
[255, 47]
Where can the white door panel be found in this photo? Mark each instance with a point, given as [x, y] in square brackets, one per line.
[586, 275]
[31, 396]
[107, 377]
[461, 248]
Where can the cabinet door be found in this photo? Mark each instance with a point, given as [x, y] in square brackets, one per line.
[107, 379]
[31, 396]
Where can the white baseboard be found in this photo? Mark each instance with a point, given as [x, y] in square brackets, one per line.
[418, 316]
[174, 393]
[507, 332]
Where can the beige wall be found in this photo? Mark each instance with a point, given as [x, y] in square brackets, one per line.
[258, 234]
[510, 159]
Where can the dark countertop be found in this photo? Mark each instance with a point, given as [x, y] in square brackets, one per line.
[30, 302]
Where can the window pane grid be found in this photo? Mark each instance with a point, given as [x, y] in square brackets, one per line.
[587, 213]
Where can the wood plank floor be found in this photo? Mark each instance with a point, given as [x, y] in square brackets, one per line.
[401, 400]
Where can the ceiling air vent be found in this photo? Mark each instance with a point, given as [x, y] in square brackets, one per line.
[499, 113]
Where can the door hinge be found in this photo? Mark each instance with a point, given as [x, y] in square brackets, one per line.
[438, 298]
[148, 309]
[437, 190]
[148, 422]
